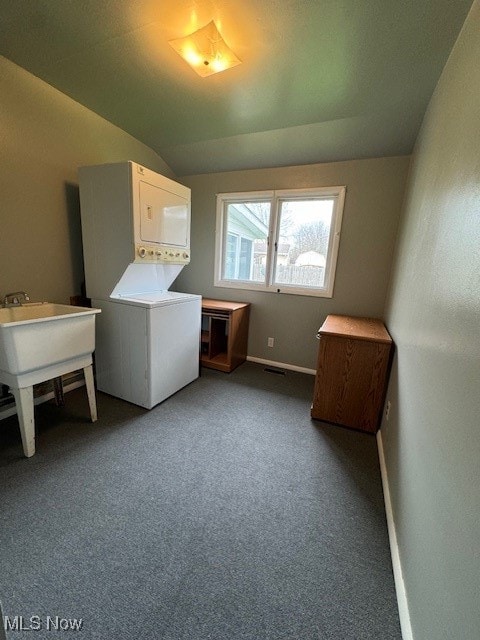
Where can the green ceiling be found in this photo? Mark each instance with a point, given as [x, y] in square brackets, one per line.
[321, 80]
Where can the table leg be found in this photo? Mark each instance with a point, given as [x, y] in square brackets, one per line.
[88, 371]
[24, 401]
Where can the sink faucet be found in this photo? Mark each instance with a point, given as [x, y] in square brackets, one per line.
[15, 299]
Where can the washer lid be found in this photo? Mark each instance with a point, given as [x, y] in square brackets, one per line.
[152, 299]
[144, 278]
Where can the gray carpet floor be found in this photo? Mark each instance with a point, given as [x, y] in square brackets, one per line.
[223, 513]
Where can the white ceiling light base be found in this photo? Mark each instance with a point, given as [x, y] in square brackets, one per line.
[205, 51]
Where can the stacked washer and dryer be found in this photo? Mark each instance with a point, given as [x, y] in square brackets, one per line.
[136, 240]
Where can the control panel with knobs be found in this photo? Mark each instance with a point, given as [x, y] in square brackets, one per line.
[164, 254]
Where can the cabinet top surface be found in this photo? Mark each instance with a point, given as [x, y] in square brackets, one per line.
[353, 327]
[225, 305]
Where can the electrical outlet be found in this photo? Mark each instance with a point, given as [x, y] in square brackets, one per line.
[388, 406]
[270, 342]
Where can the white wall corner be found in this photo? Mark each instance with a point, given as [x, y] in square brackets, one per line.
[402, 601]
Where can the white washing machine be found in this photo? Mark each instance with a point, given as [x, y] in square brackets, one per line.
[136, 240]
[147, 346]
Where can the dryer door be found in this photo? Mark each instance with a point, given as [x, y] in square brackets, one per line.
[164, 217]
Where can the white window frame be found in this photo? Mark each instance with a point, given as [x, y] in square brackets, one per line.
[276, 197]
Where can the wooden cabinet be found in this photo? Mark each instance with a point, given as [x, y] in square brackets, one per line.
[224, 334]
[353, 364]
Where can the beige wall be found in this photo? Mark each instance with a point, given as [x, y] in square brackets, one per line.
[373, 202]
[432, 439]
[45, 137]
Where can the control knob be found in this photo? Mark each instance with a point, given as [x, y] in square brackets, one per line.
[142, 252]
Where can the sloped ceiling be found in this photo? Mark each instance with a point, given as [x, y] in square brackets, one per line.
[321, 80]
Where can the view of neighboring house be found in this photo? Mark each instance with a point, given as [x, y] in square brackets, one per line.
[245, 229]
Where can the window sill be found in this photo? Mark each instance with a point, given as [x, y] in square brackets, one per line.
[279, 289]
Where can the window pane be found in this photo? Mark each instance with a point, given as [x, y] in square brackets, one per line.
[245, 265]
[247, 226]
[230, 256]
[303, 242]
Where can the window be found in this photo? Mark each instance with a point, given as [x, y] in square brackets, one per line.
[283, 241]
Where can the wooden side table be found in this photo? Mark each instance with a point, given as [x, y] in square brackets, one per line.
[224, 336]
[353, 363]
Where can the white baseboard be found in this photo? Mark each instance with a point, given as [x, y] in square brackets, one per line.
[5, 412]
[402, 601]
[282, 365]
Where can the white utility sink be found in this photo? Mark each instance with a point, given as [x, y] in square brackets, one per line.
[41, 341]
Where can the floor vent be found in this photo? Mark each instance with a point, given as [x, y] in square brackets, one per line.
[279, 372]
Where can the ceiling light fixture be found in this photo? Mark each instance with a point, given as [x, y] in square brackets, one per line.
[205, 51]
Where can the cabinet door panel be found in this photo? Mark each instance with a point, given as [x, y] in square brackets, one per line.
[349, 382]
